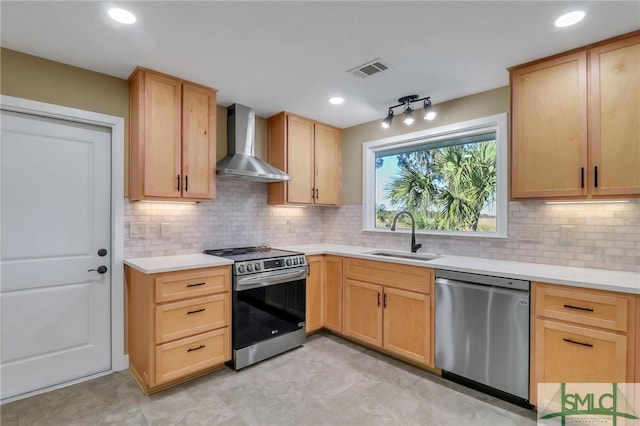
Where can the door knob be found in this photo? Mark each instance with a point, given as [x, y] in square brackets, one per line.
[101, 269]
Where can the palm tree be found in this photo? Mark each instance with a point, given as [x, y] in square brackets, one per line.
[451, 190]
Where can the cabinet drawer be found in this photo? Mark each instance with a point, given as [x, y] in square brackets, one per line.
[593, 308]
[186, 356]
[569, 353]
[182, 285]
[188, 317]
[412, 278]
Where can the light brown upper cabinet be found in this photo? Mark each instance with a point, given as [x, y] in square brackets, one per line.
[311, 153]
[173, 138]
[575, 127]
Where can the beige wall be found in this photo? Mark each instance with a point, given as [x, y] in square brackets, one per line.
[479, 105]
[31, 77]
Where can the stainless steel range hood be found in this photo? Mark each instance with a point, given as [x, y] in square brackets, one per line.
[241, 162]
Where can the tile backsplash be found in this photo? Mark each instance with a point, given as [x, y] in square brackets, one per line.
[238, 217]
[604, 235]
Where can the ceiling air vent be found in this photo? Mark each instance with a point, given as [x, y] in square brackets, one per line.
[369, 69]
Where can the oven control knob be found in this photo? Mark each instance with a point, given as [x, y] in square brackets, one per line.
[301, 261]
[241, 268]
[257, 267]
[249, 267]
[295, 260]
[288, 262]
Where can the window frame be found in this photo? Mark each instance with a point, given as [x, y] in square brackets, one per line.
[494, 123]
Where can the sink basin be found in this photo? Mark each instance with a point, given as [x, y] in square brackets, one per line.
[412, 256]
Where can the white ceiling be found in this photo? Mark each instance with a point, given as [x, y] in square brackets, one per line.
[293, 56]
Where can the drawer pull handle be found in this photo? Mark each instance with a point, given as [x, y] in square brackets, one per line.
[195, 349]
[378, 298]
[589, 345]
[579, 308]
[196, 311]
[385, 301]
[195, 285]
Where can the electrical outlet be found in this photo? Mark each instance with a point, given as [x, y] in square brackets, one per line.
[138, 230]
[153, 230]
[567, 233]
[165, 230]
[530, 233]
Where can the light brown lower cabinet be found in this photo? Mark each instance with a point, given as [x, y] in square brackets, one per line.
[581, 336]
[570, 353]
[178, 324]
[324, 293]
[405, 324]
[332, 293]
[391, 310]
[363, 312]
[314, 294]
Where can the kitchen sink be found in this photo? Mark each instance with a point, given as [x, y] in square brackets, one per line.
[426, 257]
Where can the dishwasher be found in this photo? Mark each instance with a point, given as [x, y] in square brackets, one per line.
[482, 333]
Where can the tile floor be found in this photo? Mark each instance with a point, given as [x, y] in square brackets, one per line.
[329, 381]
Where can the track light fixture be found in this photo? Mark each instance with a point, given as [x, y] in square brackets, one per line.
[429, 113]
[387, 121]
[408, 119]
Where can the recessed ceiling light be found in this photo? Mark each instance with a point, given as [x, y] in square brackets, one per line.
[570, 18]
[336, 100]
[122, 16]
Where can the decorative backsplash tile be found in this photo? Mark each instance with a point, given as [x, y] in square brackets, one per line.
[238, 217]
[604, 235]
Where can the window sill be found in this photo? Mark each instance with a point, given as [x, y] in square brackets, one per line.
[457, 234]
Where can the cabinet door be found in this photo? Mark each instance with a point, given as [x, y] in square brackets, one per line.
[614, 117]
[299, 160]
[406, 324]
[162, 131]
[363, 312]
[332, 297]
[328, 164]
[198, 142]
[549, 128]
[570, 353]
[314, 294]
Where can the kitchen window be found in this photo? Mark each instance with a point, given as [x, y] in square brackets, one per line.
[453, 179]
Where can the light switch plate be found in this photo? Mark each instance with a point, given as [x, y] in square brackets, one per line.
[138, 230]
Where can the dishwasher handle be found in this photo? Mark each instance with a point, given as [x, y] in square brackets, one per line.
[477, 286]
[486, 280]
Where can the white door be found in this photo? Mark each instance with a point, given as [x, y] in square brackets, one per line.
[54, 219]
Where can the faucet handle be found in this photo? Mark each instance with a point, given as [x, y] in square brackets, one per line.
[415, 248]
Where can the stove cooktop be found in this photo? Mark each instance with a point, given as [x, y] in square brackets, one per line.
[241, 254]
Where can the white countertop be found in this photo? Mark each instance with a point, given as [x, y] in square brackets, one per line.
[154, 265]
[601, 279]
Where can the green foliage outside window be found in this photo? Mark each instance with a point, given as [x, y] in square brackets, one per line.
[450, 187]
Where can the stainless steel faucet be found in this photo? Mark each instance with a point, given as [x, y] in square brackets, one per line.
[414, 247]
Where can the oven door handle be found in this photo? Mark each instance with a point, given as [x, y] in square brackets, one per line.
[246, 283]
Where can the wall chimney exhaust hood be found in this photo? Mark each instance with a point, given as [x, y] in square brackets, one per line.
[241, 162]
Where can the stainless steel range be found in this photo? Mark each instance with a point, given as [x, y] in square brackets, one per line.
[268, 302]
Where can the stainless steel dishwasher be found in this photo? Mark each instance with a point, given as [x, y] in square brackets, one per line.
[482, 332]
